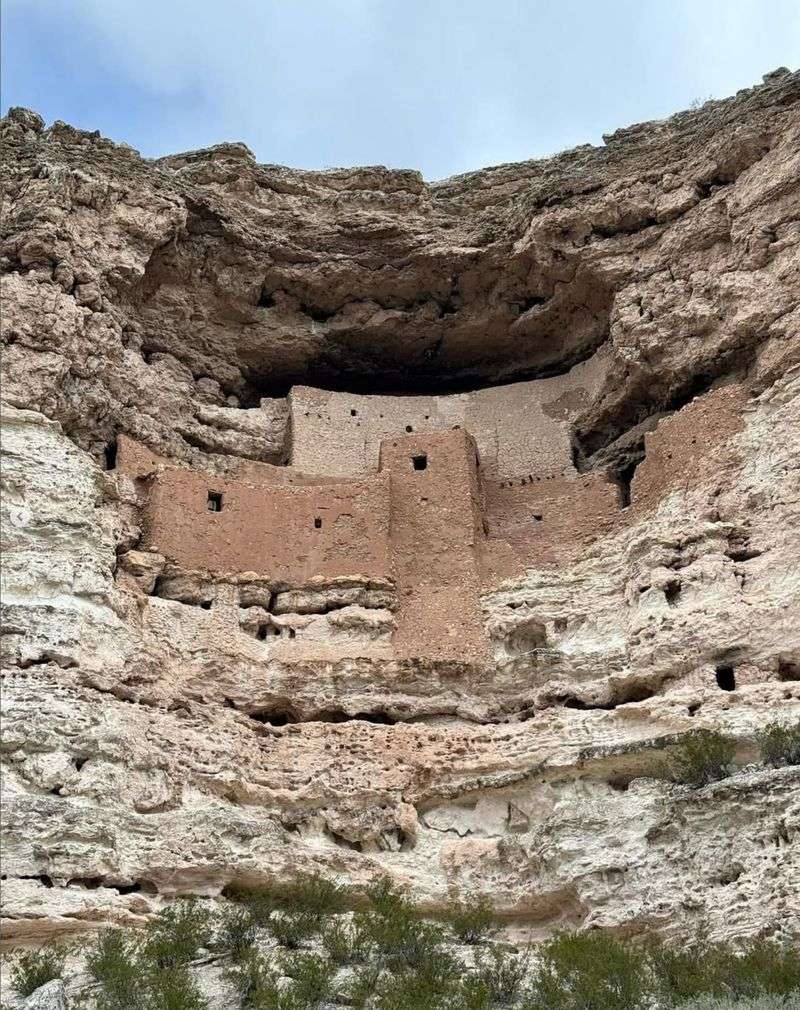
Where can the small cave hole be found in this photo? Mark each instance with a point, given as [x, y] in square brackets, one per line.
[420, 462]
[537, 518]
[262, 632]
[110, 455]
[409, 427]
[274, 717]
[214, 501]
[292, 633]
[205, 604]
[623, 477]
[726, 678]
[672, 591]
[266, 300]
[354, 413]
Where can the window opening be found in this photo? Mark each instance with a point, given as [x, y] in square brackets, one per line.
[214, 503]
[726, 679]
[420, 462]
[317, 522]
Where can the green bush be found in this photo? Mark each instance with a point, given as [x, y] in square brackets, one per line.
[305, 893]
[502, 975]
[780, 744]
[405, 940]
[255, 981]
[702, 757]
[791, 1002]
[472, 920]
[347, 943]
[292, 930]
[33, 968]
[587, 971]
[473, 994]
[702, 968]
[386, 898]
[237, 932]
[312, 977]
[176, 935]
[428, 986]
[174, 988]
[361, 986]
[763, 966]
[112, 962]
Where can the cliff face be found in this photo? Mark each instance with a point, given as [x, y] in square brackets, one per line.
[469, 673]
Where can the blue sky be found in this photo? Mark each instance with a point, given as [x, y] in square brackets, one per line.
[444, 86]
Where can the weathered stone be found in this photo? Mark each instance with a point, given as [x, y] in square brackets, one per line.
[253, 627]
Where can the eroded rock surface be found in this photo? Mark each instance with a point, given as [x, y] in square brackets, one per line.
[314, 671]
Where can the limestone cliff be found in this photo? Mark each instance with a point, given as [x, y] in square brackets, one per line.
[366, 525]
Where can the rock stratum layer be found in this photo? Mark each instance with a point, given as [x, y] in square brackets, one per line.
[363, 525]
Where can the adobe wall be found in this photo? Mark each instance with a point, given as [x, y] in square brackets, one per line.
[544, 520]
[684, 446]
[436, 523]
[519, 429]
[288, 534]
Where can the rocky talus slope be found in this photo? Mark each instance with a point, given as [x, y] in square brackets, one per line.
[150, 751]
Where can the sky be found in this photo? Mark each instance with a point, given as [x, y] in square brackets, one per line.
[443, 86]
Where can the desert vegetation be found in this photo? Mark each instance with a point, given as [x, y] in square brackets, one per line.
[311, 945]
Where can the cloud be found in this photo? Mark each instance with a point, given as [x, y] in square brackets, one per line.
[446, 86]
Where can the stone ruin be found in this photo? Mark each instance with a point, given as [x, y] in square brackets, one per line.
[363, 525]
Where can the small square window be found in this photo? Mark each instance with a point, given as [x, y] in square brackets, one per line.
[353, 413]
[214, 503]
[419, 462]
[318, 523]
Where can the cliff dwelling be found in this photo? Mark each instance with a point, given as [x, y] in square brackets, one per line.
[364, 526]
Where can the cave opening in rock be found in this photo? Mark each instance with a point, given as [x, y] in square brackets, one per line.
[110, 455]
[726, 678]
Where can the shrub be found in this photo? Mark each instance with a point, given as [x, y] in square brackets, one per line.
[757, 1003]
[291, 930]
[306, 893]
[716, 969]
[702, 757]
[472, 994]
[347, 944]
[780, 744]
[361, 985]
[174, 988]
[472, 920]
[112, 962]
[587, 970]
[425, 987]
[502, 975]
[237, 932]
[255, 982]
[317, 895]
[386, 898]
[176, 935]
[404, 940]
[765, 967]
[312, 978]
[33, 968]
